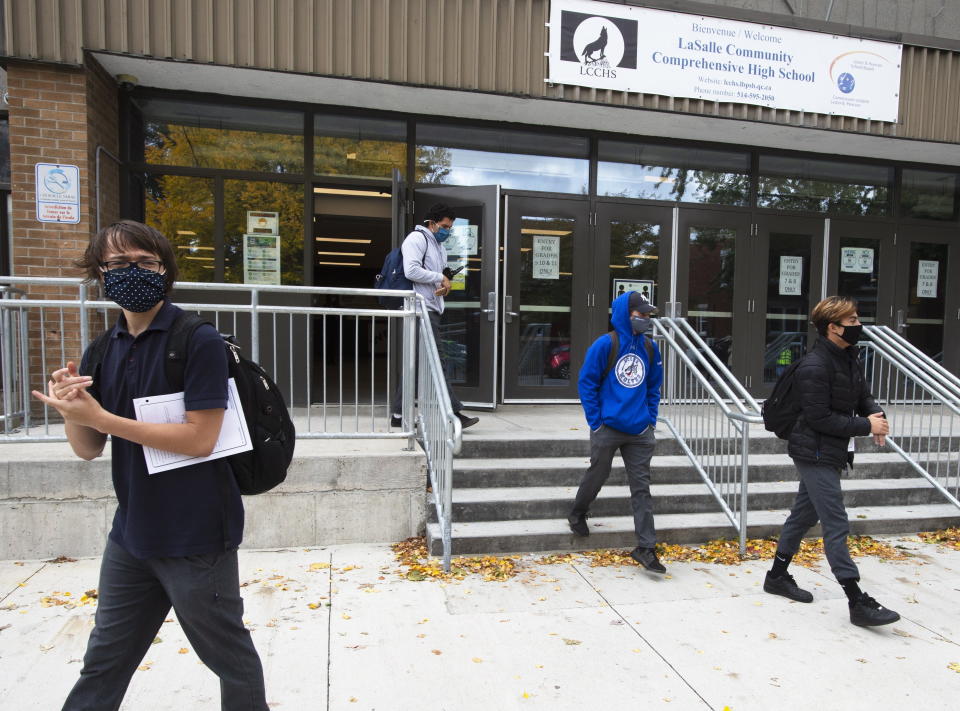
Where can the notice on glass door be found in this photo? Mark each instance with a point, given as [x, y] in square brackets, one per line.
[856, 260]
[928, 272]
[791, 275]
[261, 259]
[546, 257]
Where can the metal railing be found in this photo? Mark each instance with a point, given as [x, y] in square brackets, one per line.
[921, 400]
[709, 413]
[337, 366]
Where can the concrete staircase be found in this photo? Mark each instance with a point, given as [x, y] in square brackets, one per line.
[512, 494]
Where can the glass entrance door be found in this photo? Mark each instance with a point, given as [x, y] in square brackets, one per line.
[468, 328]
[789, 251]
[546, 298]
[632, 254]
[924, 309]
[713, 265]
[862, 266]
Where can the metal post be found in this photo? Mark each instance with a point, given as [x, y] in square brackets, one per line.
[408, 366]
[84, 331]
[255, 326]
[744, 470]
[448, 506]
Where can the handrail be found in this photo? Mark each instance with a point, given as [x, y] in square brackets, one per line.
[718, 448]
[441, 433]
[734, 389]
[896, 346]
[921, 399]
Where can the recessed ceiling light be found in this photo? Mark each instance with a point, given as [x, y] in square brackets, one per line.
[351, 193]
[343, 254]
[341, 264]
[343, 239]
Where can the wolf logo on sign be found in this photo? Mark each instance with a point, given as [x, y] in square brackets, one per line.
[598, 45]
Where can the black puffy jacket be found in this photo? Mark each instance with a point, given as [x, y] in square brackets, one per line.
[834, 400]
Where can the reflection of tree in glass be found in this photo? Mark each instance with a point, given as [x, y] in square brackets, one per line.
[433, 164]
[712, 258]
[182, 209]
[800, 193]
[172, 144]
[358, 158]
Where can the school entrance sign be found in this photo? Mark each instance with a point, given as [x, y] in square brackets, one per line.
[627, 48]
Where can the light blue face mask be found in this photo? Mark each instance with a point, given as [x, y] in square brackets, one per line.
[442, 234]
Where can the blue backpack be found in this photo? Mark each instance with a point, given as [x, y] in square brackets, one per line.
[391, 276]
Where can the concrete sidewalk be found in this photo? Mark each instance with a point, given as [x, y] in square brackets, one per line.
[339, 628]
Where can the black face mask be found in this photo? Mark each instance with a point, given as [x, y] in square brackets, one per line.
[851, 334]
[639, 325]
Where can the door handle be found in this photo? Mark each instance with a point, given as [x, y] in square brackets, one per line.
[508, 312]
[491, 310]
[901, 321]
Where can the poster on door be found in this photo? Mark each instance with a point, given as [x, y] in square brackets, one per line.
[546, 257]
[622, 286]
[261, 259]
[463, 240]
[791, 275]
[459, 281]
[856, 260]
[928, 272]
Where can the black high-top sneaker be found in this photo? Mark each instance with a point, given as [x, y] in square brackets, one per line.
[785, 585]
[867, 612]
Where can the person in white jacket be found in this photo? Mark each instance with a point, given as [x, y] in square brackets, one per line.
[424, 264]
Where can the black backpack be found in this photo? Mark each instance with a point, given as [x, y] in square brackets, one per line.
[615, 349]
[392, 276]
[782, 409]
[271, 429]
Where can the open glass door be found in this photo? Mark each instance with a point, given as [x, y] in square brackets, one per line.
[468, 344]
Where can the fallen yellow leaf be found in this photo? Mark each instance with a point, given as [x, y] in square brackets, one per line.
[183, 650]
[476, 660]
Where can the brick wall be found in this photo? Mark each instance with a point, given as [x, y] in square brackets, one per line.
[58, 115]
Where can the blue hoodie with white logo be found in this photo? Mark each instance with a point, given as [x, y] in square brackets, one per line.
[628, 399]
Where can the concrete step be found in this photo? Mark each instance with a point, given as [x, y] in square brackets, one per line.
[577, 444]
[553, 534]
[518, 503]
[665, 469]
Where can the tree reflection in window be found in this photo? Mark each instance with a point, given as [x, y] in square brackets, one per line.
[182, 208]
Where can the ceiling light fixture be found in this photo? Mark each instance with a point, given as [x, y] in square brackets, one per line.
[343, 239]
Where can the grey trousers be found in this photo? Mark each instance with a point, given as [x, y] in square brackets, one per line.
[397, 402]
[636, 450]
[135, 597]
[820, 498]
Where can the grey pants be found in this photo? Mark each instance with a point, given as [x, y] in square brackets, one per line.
[135, 597]
[820, 499]
[397, 402]
[636, 450]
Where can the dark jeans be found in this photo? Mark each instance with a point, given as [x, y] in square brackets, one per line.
[397, 402]
[636, 450]
[820, 498]
[135, 597]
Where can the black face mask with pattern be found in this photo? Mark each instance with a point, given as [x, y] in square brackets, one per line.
[134, 289]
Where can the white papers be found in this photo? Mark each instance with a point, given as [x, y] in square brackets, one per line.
[161, 409]
[791, 274]
[927, 278]
[546, 257]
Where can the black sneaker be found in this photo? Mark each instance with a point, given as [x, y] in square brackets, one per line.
[466, 422]
[785, 585]
[867, 612]
[579, 525]
[396, 421]
[647, 558]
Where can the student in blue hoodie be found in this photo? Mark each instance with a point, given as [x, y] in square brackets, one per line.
[621, 398]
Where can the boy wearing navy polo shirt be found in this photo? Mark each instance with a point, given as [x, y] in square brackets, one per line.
[175, 534]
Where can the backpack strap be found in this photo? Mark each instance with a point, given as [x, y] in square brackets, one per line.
[612, 358]
[178, 342]
[95, 353]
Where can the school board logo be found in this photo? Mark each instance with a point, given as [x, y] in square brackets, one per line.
[601, 45]
[630, 370]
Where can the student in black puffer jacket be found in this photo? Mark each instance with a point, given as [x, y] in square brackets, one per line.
[835, 405]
